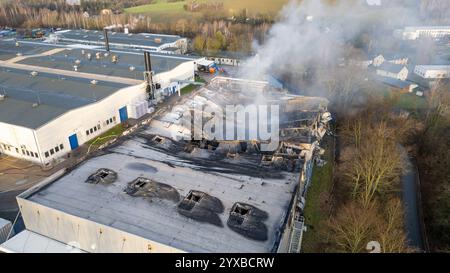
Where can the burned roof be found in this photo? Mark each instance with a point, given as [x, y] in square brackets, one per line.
[208, 191]
[233, 197]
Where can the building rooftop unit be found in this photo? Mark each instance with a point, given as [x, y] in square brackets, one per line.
[32, 101]
[154, 192]
[116, 38]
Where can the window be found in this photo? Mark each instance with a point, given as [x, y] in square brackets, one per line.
[114, 118]
[17, 150]
[28, 153]
[98, 127]
[87, 132]
[56, 149]
[95, 129]
[46, 154]
[52, 152]
[107, 122]
[36, 155]
[91, 131]
[61, 147]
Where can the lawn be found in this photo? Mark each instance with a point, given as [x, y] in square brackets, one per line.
[108, 135]
[162, 10]
[317, 209]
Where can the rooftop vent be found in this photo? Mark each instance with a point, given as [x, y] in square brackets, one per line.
[34, 73]
[77, 62]
[17, 44]
[201, 207]
[103, 176]
[144, 187]
[18, 54]
[132, 68]
[158, 40]
[248, 221]
[94, 82]
[2, 97]
[34, 105]
[158, 139]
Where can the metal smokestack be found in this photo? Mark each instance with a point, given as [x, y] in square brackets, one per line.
[105, 31]
[148, 62]
[149, 75]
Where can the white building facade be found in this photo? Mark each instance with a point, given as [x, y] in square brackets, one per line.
[433, 71]
[414, 33]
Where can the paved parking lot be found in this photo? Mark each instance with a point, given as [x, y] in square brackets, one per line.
[15, 177]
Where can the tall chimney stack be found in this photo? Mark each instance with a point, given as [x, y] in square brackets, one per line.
[149, 75]
[105, 31]
[148, 62]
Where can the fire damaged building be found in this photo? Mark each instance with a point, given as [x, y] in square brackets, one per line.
[173, 186]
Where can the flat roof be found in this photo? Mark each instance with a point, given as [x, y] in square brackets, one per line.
[140, 39]
[55, 95]
[65, 58]
[231, 181]
[163, 159]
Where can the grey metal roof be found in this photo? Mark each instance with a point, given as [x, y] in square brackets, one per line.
[141, 39]
[55, 95]
[9, 50]
[390, 67]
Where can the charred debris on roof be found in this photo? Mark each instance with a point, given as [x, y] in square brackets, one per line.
[147, 188]
[102, 176]
[202, 207]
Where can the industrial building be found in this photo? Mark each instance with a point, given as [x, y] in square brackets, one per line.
[394, 71]
[414, 33]
[157, 192]
[54, 98]
[161, 43]
[433, 71]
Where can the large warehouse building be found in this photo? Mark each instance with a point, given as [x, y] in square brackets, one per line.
[161, 43]
[154, 192]
[55, 98]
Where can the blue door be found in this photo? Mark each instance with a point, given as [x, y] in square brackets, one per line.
[73, 141]
[123, 113]
[174, 89]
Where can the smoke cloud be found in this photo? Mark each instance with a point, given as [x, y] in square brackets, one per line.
[314, 34]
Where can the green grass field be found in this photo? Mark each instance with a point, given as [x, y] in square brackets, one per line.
[164, 11]
[317, 209]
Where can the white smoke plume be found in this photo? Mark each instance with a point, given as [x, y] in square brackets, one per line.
[317, 33]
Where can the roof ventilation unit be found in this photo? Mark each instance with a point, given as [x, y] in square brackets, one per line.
[34, 73]
[201, 207]
[77, 62]
[102, 176]
[2, 97]
[34, 105]
[248, 221]
[94, 82]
